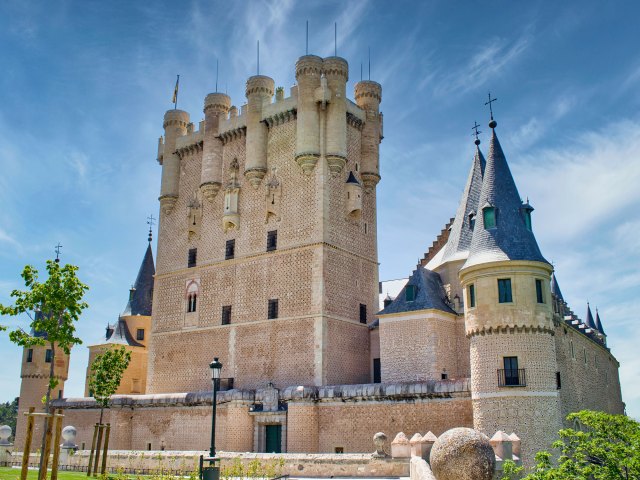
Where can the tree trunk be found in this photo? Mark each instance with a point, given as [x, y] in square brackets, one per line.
[101, 411]
[47, 400]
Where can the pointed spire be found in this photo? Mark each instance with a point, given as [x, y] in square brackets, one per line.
[555, 288]
[507, 237]
[599, 323]
[457, 246]
[589, 322]
[141, 294]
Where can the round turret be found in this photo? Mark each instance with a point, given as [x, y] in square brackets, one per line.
[259, 92]
[368, 95]
[336, 71]
[308, 72]
[175, 125]
[216, 106]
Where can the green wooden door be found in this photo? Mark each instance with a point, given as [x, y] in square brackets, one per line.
[274, 438]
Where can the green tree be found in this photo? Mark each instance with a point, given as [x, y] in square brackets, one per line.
[601, 447]
[53, 306]
[106, 374]
[9, 414]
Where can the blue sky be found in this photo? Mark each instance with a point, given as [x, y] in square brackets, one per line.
[85, 85]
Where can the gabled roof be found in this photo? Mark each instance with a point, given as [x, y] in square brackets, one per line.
[510, 239]
[461, 231]
[352, 179]
[589, 321]
[430, 294]
[142, 296]
[120, 335]
[599, 323]
[555, 288]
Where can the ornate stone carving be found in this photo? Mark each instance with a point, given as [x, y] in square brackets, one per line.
[231, 216]
[273, 197]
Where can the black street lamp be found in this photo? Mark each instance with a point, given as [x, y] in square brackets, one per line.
[212, 472]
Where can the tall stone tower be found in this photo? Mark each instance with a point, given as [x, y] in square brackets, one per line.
[36, 363]
[508, 315]
[267, 250]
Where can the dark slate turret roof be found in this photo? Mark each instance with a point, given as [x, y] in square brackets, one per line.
[140, 301]
[430, 294]
[589, 321]
[510, 239]
[120, 334]
[352, 179]
[461, 231]
[555, 288]
[599, 323]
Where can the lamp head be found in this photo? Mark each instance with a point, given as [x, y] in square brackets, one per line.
[215, 366]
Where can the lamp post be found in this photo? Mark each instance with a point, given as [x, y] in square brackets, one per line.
[212, 473]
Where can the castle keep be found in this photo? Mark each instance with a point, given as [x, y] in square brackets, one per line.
[267, 259]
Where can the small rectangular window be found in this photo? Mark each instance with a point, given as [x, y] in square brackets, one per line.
[149, 446]
[30, 355]
[444, 376]
[511, 372]
[272, 240]
[226, 315]
[472, 295]
[489, 217]
[338, 449]
[504, 290]
[230, 249]
[48, 355]
[272, 312]
[59, 394]
[410, 293]
[539, 294]
[377, 373]
[363, 313]
[140, 334]
[192, 258]
[558, 382]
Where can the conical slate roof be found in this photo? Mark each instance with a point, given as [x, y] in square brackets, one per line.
[589, 321]
[510, 239]
[120, 335]
[599, 323]
[429, 294]
[457, 246]
[352, 179]
[140, 301]
[555, 288]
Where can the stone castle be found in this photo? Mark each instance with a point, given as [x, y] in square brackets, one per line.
[267, 258]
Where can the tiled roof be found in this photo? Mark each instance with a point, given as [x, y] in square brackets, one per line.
[140, 301]
[589, 321]
[461, 231]
[352, 179]
[429, 294]
[120, 335]
[599, 323]
[510, 239]
[555, 288]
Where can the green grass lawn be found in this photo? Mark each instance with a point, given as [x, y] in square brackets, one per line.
[7, 473]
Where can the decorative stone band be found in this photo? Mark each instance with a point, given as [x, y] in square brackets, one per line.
[231, 135]
[280, 118]
[336, 163]
[510, 329]
[42, 375]
[308, 65]
[307, 161]
[336, 67]
[513, 393]
[354, 121]
[189, 149]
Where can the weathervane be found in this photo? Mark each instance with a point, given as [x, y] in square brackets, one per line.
[151, 222]
[492, 123]
[476, 132]
[57, 250]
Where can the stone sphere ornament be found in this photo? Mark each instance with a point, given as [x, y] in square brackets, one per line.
[69, 436]
[463, 454]
[379, 439]
[5, 433]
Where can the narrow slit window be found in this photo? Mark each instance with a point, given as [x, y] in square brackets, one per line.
[192, 301]
[48, 355]
[363, 313]
[504, 290]
[230, 249]
[539, 293]
[472, 296]
[272, 311]
[272, 240]
[226, 315]
[30, 355]
[192, 257]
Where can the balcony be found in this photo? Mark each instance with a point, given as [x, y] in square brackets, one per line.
[512, 378]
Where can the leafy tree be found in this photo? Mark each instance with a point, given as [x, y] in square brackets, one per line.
[53, 306]
[106, 374]
[9, 414]
[604, 447]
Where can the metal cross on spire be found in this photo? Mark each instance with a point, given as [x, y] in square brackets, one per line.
[476, 132]
[492, 123]
[57, 250]
[151, 222]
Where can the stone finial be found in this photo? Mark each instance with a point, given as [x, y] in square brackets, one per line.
[416, 445]
[69, 434]
[400, 447]
[463, 454]
[379, 439]
[5, 433]
[515, 444]
[501, 444]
